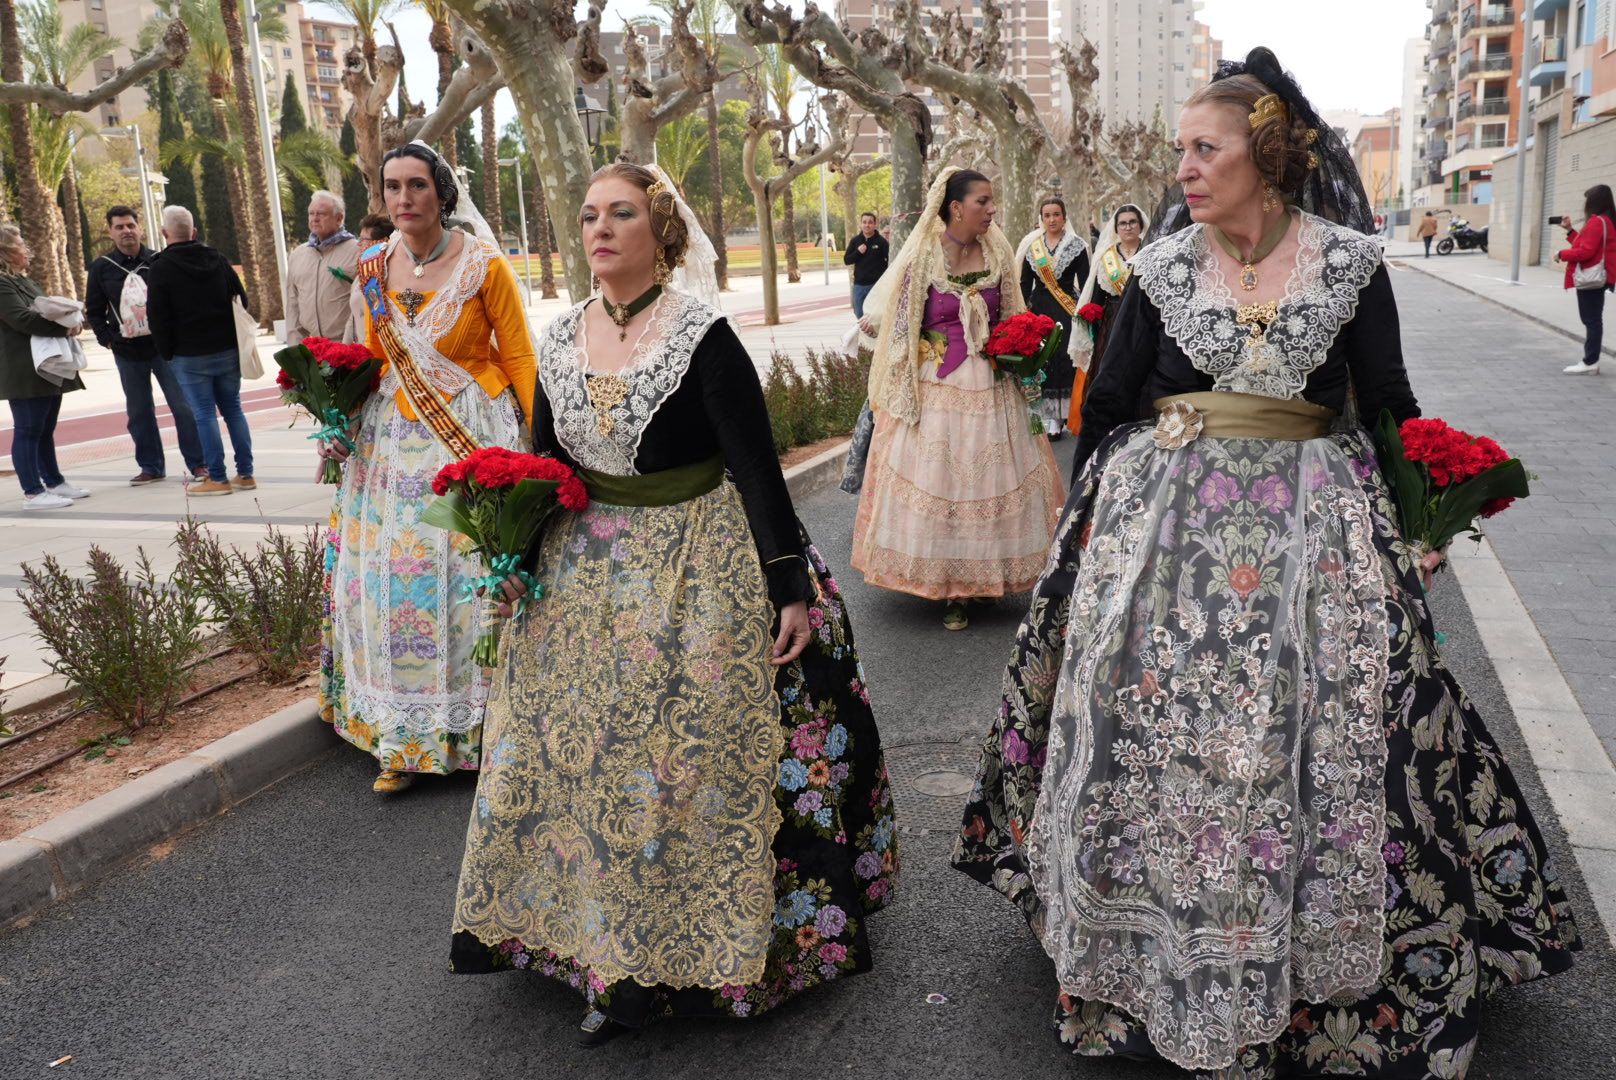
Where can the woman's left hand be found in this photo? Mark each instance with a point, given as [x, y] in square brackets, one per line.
[1430, 565]
[793, 636]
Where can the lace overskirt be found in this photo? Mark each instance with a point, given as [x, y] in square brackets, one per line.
[1170, 796]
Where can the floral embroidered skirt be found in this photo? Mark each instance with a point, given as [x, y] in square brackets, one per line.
[663, 820]
[396, 677]
[1245, 808]
[961, 504]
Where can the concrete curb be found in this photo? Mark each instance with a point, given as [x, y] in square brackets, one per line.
[1563, 331]
[68, 852]
[818, 472]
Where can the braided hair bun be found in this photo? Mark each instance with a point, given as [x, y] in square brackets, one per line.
[1281, 142]
[666, 224]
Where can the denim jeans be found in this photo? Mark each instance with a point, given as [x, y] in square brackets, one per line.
[137, 376]
[859, 293]
[212, 385]
[1427, 240]
[1591, 309]
[33, 442]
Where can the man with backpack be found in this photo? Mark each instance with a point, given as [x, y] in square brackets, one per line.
[115, 304]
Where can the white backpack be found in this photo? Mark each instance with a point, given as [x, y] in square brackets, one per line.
[131, 311]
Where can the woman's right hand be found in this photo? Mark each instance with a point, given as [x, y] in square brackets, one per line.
[334, 450]
[867, 327]
[512, 589]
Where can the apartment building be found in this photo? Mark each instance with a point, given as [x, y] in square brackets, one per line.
[1571, 135]
[1377, 152]
[656, 47]
[1411, 123]
[1475, 55]
[322, 45]
[1026, 30]
[1152, 54]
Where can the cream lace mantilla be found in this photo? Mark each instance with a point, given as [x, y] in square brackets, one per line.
[438, 317]
[1181, 276]
[676, 327]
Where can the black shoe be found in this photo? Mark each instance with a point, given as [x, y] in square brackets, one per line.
[144, 477]
[598, 1029]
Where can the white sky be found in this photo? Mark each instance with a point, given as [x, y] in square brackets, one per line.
[1346, 56]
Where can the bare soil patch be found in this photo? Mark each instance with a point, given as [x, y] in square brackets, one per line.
[103, 765]
[800, 454]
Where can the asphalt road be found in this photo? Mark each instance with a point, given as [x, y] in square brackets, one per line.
[305, 934]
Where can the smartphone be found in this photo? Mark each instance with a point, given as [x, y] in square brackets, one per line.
[1556, 219]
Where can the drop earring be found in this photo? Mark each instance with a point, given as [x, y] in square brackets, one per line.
[1269, 202]
[662, 272]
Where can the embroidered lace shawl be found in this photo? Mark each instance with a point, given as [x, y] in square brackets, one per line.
[677, 325]
[1181, 276]
[1065, 253]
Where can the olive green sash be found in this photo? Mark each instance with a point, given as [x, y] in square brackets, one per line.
[1250, 416]
[665, 488]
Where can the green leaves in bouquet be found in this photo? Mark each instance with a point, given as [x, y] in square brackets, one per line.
[518, 520]
[300, 364]
[1459, 507]
[451, 511]
[356, 387]
[1408, 484]
[503, 524]
[1051, 343]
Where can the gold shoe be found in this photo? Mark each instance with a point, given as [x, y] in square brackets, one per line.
[392, 781]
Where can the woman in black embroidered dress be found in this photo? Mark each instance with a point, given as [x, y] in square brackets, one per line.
[1054, 263]
[1124, 235]
[1245, 808]
[674, 815]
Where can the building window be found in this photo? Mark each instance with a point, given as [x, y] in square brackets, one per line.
[327, 73]
[286, 52]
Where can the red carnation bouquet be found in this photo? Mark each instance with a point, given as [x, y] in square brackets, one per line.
[1022, 346]
[1090, 313]
[330, 380]
[500, 499]
[1444, 480]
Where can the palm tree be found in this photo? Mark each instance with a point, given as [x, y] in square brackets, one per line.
[680, 146]
[59, 58]
[442, 42]
[269, 300]
[368, 14]
[709, 20]
[782, 83]
[490, 148]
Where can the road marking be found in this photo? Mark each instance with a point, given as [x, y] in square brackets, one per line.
[1577, 772]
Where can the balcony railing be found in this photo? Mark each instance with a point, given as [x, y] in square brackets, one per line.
[1490, 17]
[1551, 50]
[1441, 9]
[1491, 64]
[1438, 121]
[1493, 107]
[1467, 109]
[1436, 150]
[1491, 142]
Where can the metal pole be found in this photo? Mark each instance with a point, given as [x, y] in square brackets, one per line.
[1527, 51]
[271, 170]
[521, 215]
[147, 205]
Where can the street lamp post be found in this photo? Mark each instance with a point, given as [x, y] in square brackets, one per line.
[1521, 117]
[824, 209]
[589, 114]
[271, 170]
[521, 216]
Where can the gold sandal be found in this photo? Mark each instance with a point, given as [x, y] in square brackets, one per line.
[392, 781]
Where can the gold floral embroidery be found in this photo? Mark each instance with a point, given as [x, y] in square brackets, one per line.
[625, 811]
[1177, 426]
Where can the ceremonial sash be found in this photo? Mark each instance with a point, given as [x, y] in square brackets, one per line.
[1116, 269]
[422, 396]
[1044, 266]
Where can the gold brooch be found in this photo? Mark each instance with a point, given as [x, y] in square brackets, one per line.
[606, 392]
[1177, 426]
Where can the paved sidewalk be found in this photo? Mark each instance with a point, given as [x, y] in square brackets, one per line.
[96, 453]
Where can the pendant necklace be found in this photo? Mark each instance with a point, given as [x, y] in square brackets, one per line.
[622, 313]
[1248, 263]
[432, 256]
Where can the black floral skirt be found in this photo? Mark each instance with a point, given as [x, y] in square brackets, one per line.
[836, 850]
[1472, 901]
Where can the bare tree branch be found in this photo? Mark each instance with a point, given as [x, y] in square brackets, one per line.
[169, 52]
[474, 83]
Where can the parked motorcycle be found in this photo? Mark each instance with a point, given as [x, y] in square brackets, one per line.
[1461, 237]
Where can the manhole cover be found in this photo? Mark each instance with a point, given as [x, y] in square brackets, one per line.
[930, 782]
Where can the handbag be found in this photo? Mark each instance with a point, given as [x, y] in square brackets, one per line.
[1593, 277]
[247, 341]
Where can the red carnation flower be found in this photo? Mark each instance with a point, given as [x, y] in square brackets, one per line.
[1090, 312]
[284, 381]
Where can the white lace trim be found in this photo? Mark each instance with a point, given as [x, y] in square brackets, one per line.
[663, 358]
[1180, 274]
[1064, 255]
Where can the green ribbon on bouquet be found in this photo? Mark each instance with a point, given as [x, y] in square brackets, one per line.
[336, 429]
[500, 568]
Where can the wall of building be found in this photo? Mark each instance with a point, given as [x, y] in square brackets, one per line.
[1586, 156]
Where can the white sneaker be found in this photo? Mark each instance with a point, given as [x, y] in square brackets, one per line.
[68, 491]
[1579, 368]
[46, 500]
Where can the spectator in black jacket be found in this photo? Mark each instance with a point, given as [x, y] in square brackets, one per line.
[134, 351]
[192, 290]
[867, 255]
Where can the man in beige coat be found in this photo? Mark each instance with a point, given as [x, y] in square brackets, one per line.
[320, 275]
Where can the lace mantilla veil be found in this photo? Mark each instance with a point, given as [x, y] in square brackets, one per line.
[697, 273]
[1332, 191]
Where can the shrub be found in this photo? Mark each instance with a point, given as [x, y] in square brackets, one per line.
[825, 403]
[125, 644]
[265, 599]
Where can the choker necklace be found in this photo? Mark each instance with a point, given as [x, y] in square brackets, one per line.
[1248, 263]
[432, 256]
[622, 313]
[962, 244]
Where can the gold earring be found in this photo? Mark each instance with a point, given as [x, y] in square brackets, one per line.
[1268, 200]
[662, 272]
[594, 282]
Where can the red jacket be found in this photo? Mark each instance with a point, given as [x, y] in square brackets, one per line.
[1584, 249]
